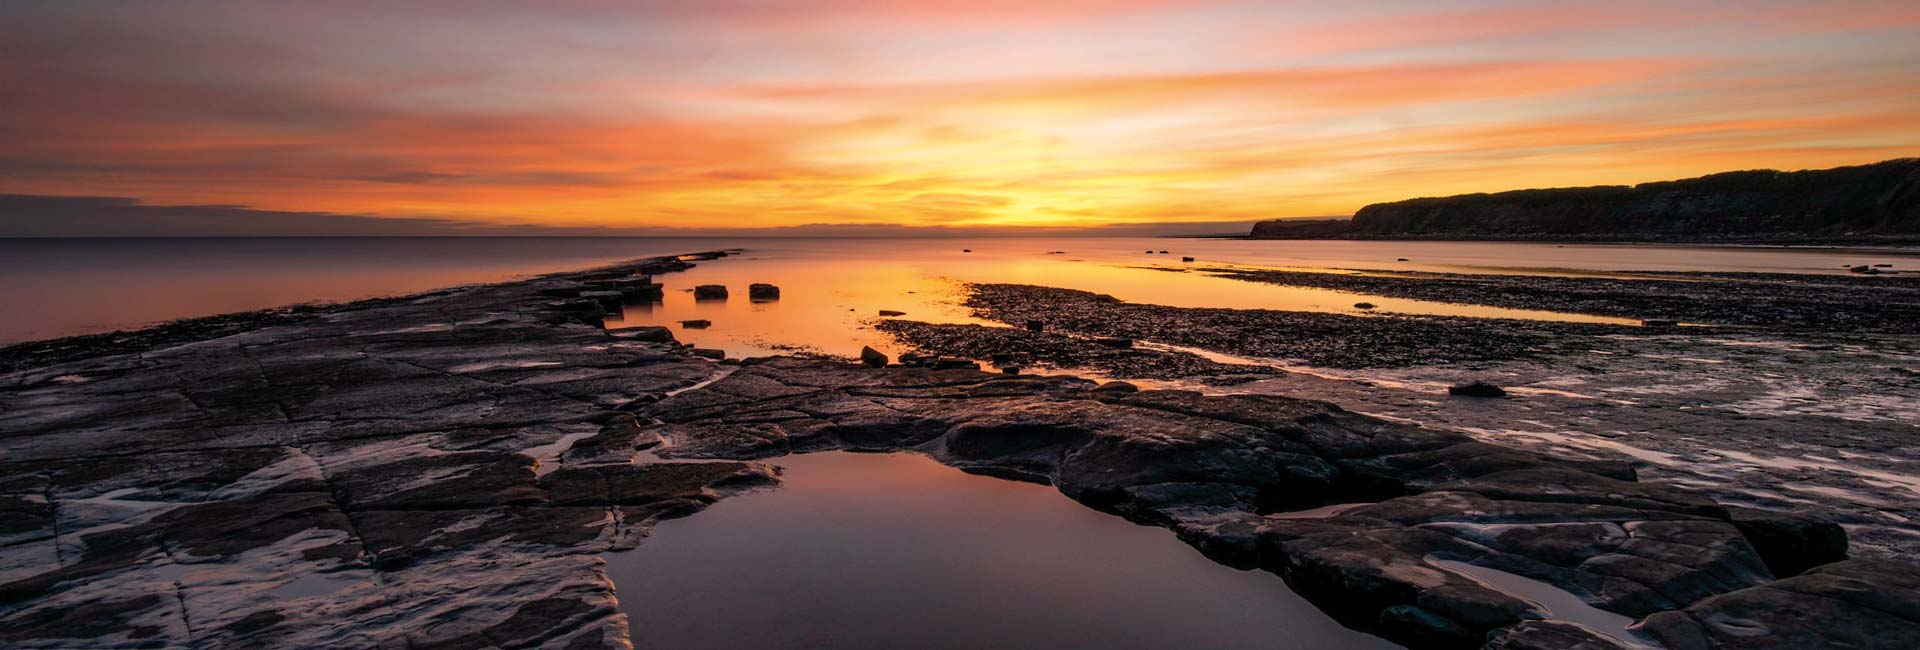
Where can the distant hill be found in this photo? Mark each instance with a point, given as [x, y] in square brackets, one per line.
[1862, 204]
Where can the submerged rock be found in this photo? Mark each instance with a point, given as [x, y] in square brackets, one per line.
[1363, 305]
[696, 324]
[891, 313]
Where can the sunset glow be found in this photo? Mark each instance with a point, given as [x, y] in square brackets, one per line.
[753, 114]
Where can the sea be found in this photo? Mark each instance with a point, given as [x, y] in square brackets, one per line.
[51, 288]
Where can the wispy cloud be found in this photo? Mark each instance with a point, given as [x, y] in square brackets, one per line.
[755, 114]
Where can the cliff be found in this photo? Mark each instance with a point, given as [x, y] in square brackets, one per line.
[1866, 203]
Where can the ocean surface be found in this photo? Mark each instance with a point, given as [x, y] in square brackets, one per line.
[62, 287]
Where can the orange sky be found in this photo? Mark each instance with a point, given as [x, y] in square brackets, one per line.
[757, 113]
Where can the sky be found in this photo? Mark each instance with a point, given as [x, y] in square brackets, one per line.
[578, 114]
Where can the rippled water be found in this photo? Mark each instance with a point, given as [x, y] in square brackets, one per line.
[899, 551]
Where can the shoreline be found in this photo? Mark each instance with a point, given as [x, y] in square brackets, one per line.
[412, 448]
[1899, 246]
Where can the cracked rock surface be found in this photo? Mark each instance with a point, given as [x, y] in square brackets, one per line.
[437, 471]
[446, 470]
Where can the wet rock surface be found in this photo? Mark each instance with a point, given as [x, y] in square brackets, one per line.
[1020, 347]
[1320, 339]
[1822, 303]
[1227, 472]
[446, 469]
[1818, 423]
[374, 474]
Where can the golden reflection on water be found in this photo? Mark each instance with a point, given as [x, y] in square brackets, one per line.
[827, 305]
[52, 288]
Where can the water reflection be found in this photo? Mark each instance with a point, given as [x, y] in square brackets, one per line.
[52, 288]
[830, 297]
[898, 551]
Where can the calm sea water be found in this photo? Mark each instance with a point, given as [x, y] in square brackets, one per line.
[61, 287]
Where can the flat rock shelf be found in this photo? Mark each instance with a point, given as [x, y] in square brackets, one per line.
[450, 470]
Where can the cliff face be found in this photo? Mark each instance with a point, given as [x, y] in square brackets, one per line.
[1864, 203]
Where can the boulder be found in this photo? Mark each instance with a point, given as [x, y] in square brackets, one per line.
[1186, 259]
[1010, 370]
[647, 333]
[709, 353]
[1477, 389]
[890, 312]
[643, 291]
[710, 292]
[761, 291]
[696, 324]
[873, 358]
[1116, 388]
[955, 363]
[1035, 326]
[1363, 305]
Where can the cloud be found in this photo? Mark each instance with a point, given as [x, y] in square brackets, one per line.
[749, 114]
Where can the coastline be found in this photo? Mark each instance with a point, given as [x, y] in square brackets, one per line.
[391, 444]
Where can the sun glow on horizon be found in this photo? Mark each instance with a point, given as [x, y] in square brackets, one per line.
[751, 114]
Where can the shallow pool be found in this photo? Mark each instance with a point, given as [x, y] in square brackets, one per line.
[897, 551]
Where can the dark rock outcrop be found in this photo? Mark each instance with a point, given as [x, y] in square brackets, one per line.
[1854, 604]
[1477, 389]
[873, 358]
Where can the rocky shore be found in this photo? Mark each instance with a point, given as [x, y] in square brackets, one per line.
[1320, 339]
[1820, 303]
[446, 470]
